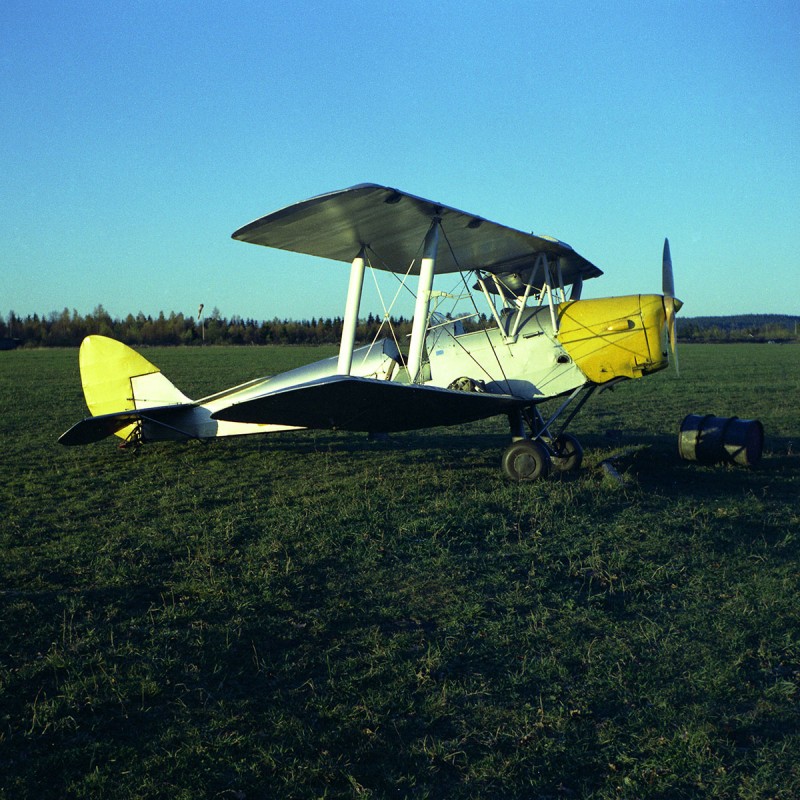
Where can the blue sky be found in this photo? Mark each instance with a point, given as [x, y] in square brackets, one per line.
[137, 137]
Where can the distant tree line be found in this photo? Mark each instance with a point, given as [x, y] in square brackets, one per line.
[739, 328]
[68, 328]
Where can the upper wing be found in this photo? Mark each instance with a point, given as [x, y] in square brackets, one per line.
[392, 225]
[364, 404]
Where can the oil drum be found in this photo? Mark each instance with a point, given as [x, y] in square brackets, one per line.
[711, 440]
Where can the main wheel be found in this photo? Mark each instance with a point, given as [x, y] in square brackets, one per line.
[526, 461]
[567, 453]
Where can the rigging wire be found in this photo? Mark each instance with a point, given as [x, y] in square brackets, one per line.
[484, 329]
[387, 319]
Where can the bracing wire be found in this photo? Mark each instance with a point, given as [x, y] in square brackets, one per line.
[485, 329]
[387, 319]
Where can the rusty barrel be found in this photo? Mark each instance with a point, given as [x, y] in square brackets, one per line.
[711, 440]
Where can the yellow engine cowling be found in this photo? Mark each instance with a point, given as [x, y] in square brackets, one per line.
[615, 337]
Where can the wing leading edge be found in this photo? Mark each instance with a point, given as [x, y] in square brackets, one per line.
[364, 404]
[392, 225]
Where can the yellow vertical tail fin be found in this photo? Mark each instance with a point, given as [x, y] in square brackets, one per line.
[116, 378]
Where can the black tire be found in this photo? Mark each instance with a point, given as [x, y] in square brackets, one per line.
[567, 453]
[526, 461]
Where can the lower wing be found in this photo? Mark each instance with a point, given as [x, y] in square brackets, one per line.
[363, 404]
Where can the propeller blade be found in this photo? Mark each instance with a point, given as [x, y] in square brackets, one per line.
[671, 306]
[671, 303]
[667, 282]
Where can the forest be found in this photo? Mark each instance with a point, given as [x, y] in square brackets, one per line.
[68, 328]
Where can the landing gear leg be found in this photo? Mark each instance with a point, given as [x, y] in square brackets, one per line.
[565, 450]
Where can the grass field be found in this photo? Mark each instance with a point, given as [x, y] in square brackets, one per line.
[317, 615]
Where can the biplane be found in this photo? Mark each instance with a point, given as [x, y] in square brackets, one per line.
[536, 340]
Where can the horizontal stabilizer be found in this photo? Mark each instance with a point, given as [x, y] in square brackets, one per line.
[93, 429]
[362, 404]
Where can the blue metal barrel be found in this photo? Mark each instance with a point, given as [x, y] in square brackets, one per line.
[712, 440]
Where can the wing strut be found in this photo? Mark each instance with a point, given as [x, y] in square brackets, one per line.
[351, 312]
[426, 271]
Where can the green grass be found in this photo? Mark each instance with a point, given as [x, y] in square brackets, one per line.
[316, 615]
